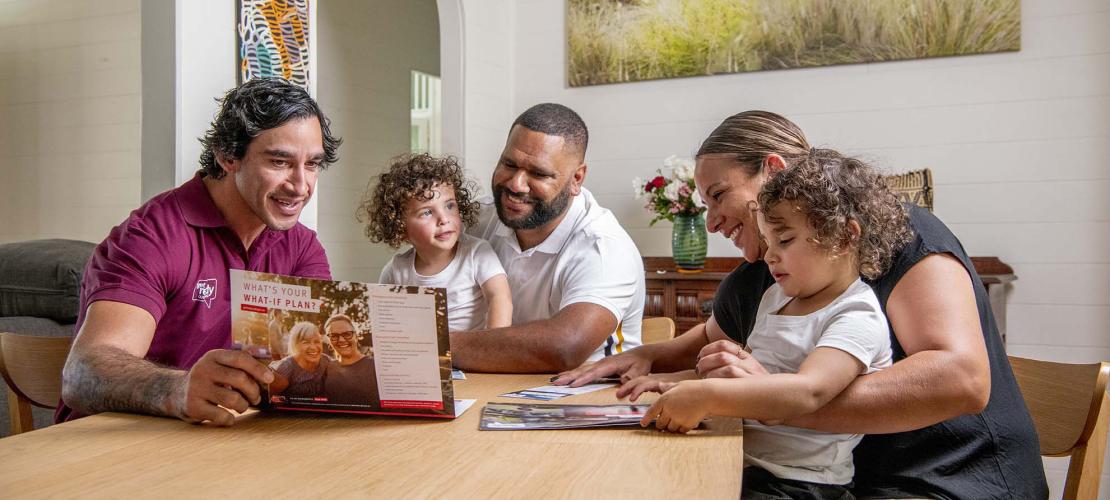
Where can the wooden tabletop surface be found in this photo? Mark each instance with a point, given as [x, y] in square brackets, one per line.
[290, 454]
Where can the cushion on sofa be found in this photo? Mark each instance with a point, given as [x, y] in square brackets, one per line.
[30, 325]
[42, 278]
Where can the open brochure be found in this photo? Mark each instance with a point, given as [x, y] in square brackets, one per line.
[341, 346]
[511, 416]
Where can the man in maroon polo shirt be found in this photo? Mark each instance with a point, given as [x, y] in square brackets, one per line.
[154, 329]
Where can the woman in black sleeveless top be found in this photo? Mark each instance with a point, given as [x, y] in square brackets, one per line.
[945, 421]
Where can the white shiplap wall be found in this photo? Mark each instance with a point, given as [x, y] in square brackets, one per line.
[488, 89]
[1019, 144]
[69, 117]
[366, 54]
[205, 53]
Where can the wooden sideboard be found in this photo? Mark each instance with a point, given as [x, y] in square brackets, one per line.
[687, 298]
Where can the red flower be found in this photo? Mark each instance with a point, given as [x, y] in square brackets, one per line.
[647, 187]
[658, 181]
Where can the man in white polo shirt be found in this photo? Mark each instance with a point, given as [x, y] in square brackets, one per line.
[576, 276]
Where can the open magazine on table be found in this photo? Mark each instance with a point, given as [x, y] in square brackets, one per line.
[514, 416]
[342, 346]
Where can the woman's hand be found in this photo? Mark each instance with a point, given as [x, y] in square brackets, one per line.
[727, 359]
[626, 365]
[681, 407]
[657, 382]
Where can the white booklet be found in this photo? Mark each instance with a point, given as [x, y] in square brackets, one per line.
[342, 346]
[553, 392]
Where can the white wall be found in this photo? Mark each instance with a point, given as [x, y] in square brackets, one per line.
[69, 117]
[159, 87]
[489, 30]
[70, 108]
[452, 55]
[1018, 142]
[366, 54]
[205, 54]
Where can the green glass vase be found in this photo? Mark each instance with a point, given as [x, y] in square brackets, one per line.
[688, 242]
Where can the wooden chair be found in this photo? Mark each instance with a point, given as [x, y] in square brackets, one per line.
[1071, 412]
[655, 330]
[32, 367]
[913, 187]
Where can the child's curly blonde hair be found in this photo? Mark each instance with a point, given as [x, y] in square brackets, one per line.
[832, 189]
[412, 176]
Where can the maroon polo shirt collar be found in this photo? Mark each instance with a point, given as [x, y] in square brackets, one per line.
[197, 206]
[199, 210]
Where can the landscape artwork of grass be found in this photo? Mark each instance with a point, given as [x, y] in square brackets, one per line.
[611, 41]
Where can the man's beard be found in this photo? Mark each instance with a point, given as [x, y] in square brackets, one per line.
[542, 211]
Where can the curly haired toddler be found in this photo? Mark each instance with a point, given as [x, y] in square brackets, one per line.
[427, 202]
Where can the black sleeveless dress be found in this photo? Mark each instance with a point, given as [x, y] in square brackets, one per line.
[992, 454]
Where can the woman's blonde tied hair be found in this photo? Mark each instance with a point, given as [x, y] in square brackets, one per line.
[749, 137]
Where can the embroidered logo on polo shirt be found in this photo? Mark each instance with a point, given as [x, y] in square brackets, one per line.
[205, 291]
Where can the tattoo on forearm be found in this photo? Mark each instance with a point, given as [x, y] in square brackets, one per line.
[109, 379]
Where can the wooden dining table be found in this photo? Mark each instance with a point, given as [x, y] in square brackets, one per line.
[309, 455]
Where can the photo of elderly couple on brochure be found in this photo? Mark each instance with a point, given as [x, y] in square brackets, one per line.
[340, 346]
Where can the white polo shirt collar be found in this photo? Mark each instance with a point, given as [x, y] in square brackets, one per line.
[555, 241]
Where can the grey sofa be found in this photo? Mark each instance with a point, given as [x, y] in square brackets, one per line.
[40, 283]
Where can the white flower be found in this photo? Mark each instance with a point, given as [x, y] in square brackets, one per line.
[638, 187]
[696, 197]
[671, 162]
[684, 169]
[671, 191]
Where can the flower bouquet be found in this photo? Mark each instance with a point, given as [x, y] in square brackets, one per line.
[671, 192]
[671, 195]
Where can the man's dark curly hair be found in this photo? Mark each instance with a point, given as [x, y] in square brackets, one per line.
[248, 110]
[413, 176]
[832, 189]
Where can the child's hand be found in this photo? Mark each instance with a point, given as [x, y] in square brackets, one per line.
[727, 359]
[680, 408]
[650, 383]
